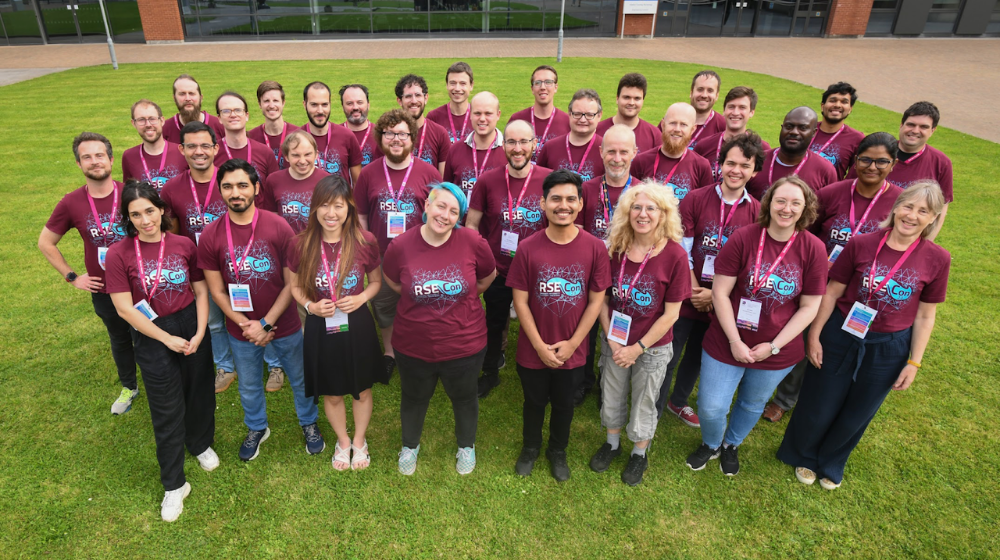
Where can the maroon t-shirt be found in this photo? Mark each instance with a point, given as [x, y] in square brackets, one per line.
[158, 170]
[373, 199]
[261, 268]
[592, 218]
[290, 198]
[460, 168]
[715, 124]
[932, 164]
[923, 277]
[73, 211]
[273, 142]
[432, 146]
[838, 148]
[261, 158]
[439, 316]
[701, 219]
[172, 127]
[833, 219]
[647, 136]
[461, 128]
[366, 259]
[491, 198]
[554, 156]
[367, 142]
[179, 270]
[664, 279]
[191, 215]
[558, 279]
[815, 171]
[543, 131]
[710, 148]
[337, 151]
[801, 272]
[692, 171]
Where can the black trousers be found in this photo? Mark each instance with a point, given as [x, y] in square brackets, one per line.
[589, 377]
[541, 387]
[181, 394]
[688, 332]
[418, 380]
[119, 332]
[498, 298]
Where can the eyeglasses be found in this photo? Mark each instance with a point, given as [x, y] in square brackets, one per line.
[546, 83]
[577, 116]
[143, 121]
[512, 143]
[880, 163]
[638, 208]
[233, 112]
[192, 147]
[390, 135]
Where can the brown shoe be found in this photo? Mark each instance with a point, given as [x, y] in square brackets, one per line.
[275, 379]
[223, 379]
[773, 412]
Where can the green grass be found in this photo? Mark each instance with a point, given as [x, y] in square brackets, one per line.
[78, 483]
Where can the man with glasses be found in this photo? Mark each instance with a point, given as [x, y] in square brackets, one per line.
[431, 143]
[674, 164]
[337, 149]
[271, 98]
[579, 150]
[793, 157]
[234, 113]
[506, 209]
[454, 115]
[834, 140]
[155, 160]
[630, 97]
[187, 97]
[478, 152]
[546, 119]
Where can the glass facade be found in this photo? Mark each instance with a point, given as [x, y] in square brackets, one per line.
[739, 18]
[69, 21]
[944, 18]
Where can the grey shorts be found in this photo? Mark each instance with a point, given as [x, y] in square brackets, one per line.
[645, 376]
[384, 305]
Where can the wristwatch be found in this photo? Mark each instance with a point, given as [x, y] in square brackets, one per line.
[774, 349]
[641, 345]
[265, 326]
[70, 276]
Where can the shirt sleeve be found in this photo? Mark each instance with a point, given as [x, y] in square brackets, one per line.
[116, 273]
[815, 265]
[678, 276]
[730, 259]
[391, 264]
[485, 264]
[354, 156]
[517, 274]
[600, 275]
[449, 169]
[370, 248]
[286, 240]
[945, 179]
[294, 255]
[208, 256]
[59, 222]
[478, 200]
[704, 174]
[190, 251]
[936, 289]
[843, 268]
[361, 195]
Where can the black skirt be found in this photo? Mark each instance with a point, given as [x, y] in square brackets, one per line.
[344, 363]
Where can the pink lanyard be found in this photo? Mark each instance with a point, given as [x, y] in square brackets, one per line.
[208, 195]
[142, 269]
[163, 160]
[694, 139]
[725, 219]
[486, 160]
[760, 252]
[249, 149]
[97, 217]
[656, 164]
[451, 122]
[606, 198]
[621, 271]
[388, 182]
[284, 131]
[232, 252]
[332, 279]
[828, 142]
[177, 119]
[861, 222]
[586, 153]
[774, 160]
[914, 158]
[892, 271]
[423, 134]
[511, 207]
[552, 119]
[367, 132]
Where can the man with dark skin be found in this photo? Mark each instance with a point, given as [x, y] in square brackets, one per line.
[793, 155]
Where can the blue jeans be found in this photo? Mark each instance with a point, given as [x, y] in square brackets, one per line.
[719, 382]
[248, 358]
[221, 354]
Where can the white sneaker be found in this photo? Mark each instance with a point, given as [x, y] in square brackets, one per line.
[208, 460]
[123, 403]
[173, 503]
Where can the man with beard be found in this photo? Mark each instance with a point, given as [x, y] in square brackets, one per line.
[271, 98]
[354, 102]
[546, 119]
[432, 142]
[631, 95]
[155, 160]
[834, 140]
[93, 211]
[704, 93]
[575, 151]
[738, 109]
[234, 113]
[793, 157]
[187, 97]
[478, 152]
[245, 258]
[390, 198]
[674, 164]
[454, 115]
[337, 149]
[505, 209]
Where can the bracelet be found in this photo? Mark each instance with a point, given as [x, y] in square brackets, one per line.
[914, 364]
[306, 307]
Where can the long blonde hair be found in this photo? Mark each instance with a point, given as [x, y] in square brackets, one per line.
[622, 235]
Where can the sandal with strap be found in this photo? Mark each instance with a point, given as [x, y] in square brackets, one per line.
[359, 454]
[341, 455]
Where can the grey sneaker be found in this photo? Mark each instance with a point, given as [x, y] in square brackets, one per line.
[223, 379]
[275, 379]
[123, 403]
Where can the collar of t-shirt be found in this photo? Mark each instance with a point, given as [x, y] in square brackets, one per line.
[745, 197]
[497, 142]
[904, 156]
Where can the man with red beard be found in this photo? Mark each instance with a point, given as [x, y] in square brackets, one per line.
[271, 98]
[187, 97]
[155, 160]
[431, 143]
[337, 149]
[354, 102]
[674, 164]
[704, 93]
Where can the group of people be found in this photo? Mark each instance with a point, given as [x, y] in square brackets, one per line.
[690, 245]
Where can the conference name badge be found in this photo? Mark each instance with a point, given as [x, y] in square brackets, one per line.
[748, 317]
[508, 243]
[197, 238]
[708, 269]
[337, 323]
[837, 249]
[621, 325]
[859, 319]
[102, 256]
[239, 297]
[146, 309]
[395, 224]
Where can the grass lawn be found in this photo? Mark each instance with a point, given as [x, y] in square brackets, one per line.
[79, 483]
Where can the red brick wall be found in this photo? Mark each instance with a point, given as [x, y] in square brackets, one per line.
[848, 18]
[635, 24]
[161, 20]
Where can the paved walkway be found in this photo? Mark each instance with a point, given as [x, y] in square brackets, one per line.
[958, 75]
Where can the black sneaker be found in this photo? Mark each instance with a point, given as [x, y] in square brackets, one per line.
[503, 361]
[581, 394]
[526, 461]
[558, 465]
[632, 475]
[730, 462]
[487, 382]
[251, 444]
[604, 457]
[701, 457]
[390, 364]
[314, 439]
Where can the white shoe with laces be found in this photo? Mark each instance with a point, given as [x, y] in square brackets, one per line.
[208, 460]
[173, 503]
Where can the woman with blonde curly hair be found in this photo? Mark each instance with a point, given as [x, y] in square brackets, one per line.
[637, 318]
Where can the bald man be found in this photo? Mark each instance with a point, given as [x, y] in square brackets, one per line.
[674, 164]
[793, 157]
[479, 152]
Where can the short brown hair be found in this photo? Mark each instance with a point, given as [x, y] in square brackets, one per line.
[90, 137]
[742, 91]
[159, 112]
[544, 67]
[390, 119]
[808, 212]
[269, 85]
[458, 68]
[186, 77]
[295, 138]
[706, 74]
[633, 80]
